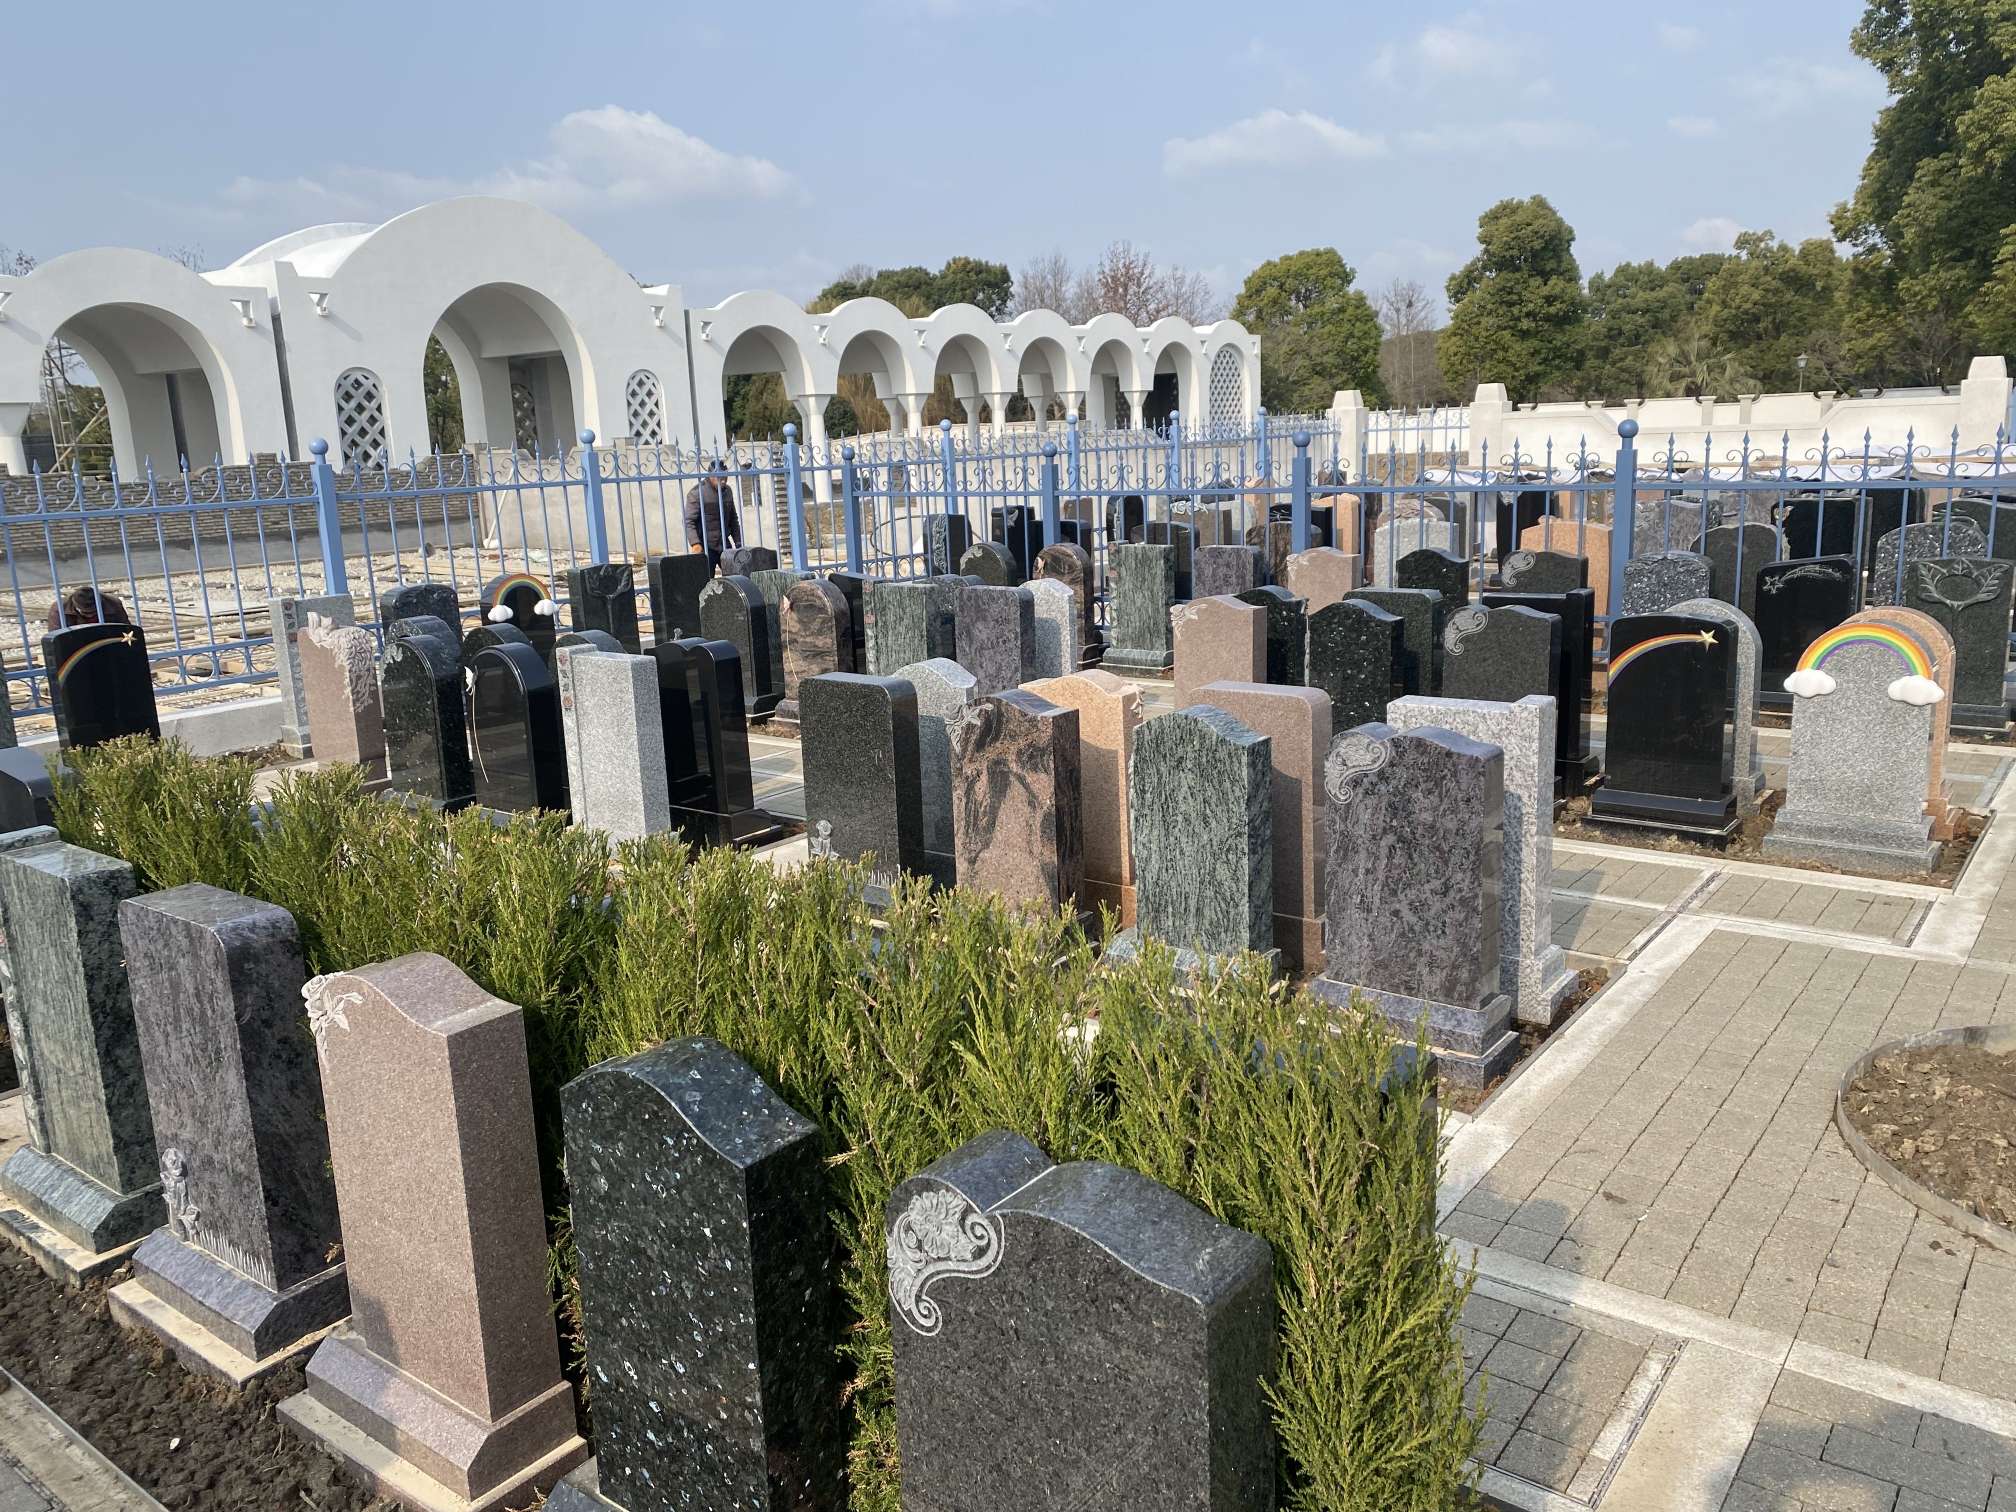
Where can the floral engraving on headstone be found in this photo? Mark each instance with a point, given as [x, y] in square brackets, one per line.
[1351, 758]
[182, 1214]
[325, 1012]
[940, 1234]
[1462, 625]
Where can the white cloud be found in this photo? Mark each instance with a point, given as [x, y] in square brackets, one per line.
[1712, 233]
[1484, 136]
[1783, 86]
[1693, 126]
[1460, 49]
[608, 156]
[1271, 139]
[1679, 38]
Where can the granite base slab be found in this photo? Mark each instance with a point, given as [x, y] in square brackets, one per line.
[1902, 850]
[55, 1256]
[706, 827]
[1574, 774]
[1137, 659]
[1711, 820]
[89, 1214]
[1478, 1070]
[580, 1490]
[200, 1351]
[1115, 896]
[1468, 1031]
[241, 1313]
[1981, 719]
[1558, 983]
[401, 1436]
[1190, 964]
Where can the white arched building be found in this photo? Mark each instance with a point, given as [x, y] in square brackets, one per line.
[324, 332]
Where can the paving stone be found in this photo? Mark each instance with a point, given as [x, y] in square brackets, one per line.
[1518, 1364]
[1548, 1335]
[1505, 1401]
[1540, 1460]
[1566, 1421]
[1909, 1500]
[1933, 1474]
[1838, 1404]
[1488, 1314]
[1835, 1488]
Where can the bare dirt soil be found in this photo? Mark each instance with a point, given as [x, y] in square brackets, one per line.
[1946, 1117]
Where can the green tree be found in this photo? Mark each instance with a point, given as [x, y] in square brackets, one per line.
[1319, 333]
[1516, 308]
[969, 280]
[1933, 220]
[917, 291]
[1772, 303]
[444, 399]
[1630, 311]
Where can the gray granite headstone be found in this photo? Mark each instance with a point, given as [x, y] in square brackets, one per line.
[1736, 554]
[1059, 649]
[1743, 754]
[708, 1289]
[1144, 592]
[946, 537]
[909, 620]
[733, 609]
[860, 753]
[1070, 564]
[1421, 612]
[1532, 969]
[1970, 598]
[1017, 806]
[1413, 924]
[290, 618]
[95, 1179]
[1544, 572]
[1221, 570]
[1393, 539]
[1661, 525]
[1862, 736]
[995, 631]
[237, 1103]
[742, 561]
[1501, 653]
[625, 784]
[1075, 1338]
[1655, 581]
[1201, 801]
[10, 1001]
[945, 690]
[991, 562]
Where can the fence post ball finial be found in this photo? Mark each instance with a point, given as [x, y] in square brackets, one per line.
[945, 425]
[1301, 438]
[847, 452]
[790, 431]
[319, 448]
[1628, 429]
[1049, 449]
[587, 438]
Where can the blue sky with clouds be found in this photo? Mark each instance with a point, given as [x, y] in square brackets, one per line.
[726, 147]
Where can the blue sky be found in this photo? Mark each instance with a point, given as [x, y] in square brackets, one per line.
[726, 147]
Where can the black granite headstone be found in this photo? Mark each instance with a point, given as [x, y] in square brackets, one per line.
[946, 537]
[708, 1289]
[519, 759]
[675, 583]
[426, 721]
[1543, 572]
[1736, 554]
[1502, 654]
[525, 602]
[853, 587]
[863, 792]
[1287, 632]
[732, 610]
[100, 683]
[1183, 537]
[1798, 601]
[1421, 615]
[1970, 598]
[1020, 529]
[483, 637]
[992, 563]
[1224, 570]
[1666, 755]
[604, 597]
[1075, 1338]
[1071, 565]
[688, 781]
[1575, 765]
[25, 790]
[1514, 513]
[1125, 516]
[1355, 656]
[726, 813]
[1820, 525]
[1447, 574]
[742, 561]
[409, 600]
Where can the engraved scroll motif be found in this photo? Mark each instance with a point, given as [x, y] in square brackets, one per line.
[1516, 566]
[1182, 614]
[1353, 757]
[1983, 583]
[939, 1234]
[1777, 581]
[1463, 624]
[325, 1012]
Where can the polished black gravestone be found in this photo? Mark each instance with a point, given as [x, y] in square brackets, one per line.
[1020, 529]
[743, 561]
[994, 628]
[1421, 615]
[946, 537]
[724, 810]
[236, 1095]
[1501, 654]
[520, 760]
[854, 587]
[1445, 573]
[1355, 657]
[1514, 513]
[26, 790]
[483, 637]
[990, 562]
[708, 1290]
[1184, 538]
[1287, 632]
[100, 684]
[1575, 764]
[732, 610]
[1071, 565]
[1224, 570]
[774, 584]
[674, 583]
[1529, 572]
[604, 597]
[594, 640]
[1970, 598]
[1798, 601]
[1820, 526]
[1666, 751]
[411, 600]
[430, 625]
[524, 602]
[1736, 554]
[426, 721]
[1126, 514]
[863, 792]
[686, 742]
[1075, 1338]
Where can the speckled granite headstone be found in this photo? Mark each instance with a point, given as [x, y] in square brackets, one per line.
[237, 1103]
[587, 640]
[1016, 800]
[1503, 653]
[1736, 554]
[101, 686]
[1287, 633]
[909, 620]
[411, 600]
[1144, 591]
[518, 754]
[26, 790]
[946, 537]
[426, 720]
[572, 743]
[1421, 614]
[604, 597]
[1355, 658]
[708, 1289]
[1937, 646]
[1395, 539]
[991, 562]
[1655, 581]
[1663, 524]
[448, 1368]
[1224, 570]
[674, 584]
[774, 584]
[1273, 541]
[1184, 538]
[1862, 734]
[1071, 565]
[1575, 764]
[1218, 639]
[944, 691]
[817, 638]
[339, 686]
[1321, 575]
[1057, 650]
[1109, 714]
[732, 610]
[860, 754]
[1417, 843]
[1543, 572]
[742, 561]
[853, 587]
[995, 631]
[21, 838]
[1201, 802]
[290, 618]
[522, 602]
[1075, 1338]
[1916, 543]
[1797, 602]
[1532, 969]
[95, 1177]
[1970, 599]
[1744, 760]
[625, 782]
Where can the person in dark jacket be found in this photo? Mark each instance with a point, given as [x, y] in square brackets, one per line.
[87, 606]
[712, 524]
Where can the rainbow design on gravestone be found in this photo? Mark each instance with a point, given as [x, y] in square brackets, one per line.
[1695, 638]
[499, 613]
[70, 661]
[1916, 686]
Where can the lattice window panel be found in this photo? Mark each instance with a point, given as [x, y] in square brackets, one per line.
[524, 416]
[646, 410]
[361, 434]
[1228, 387]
